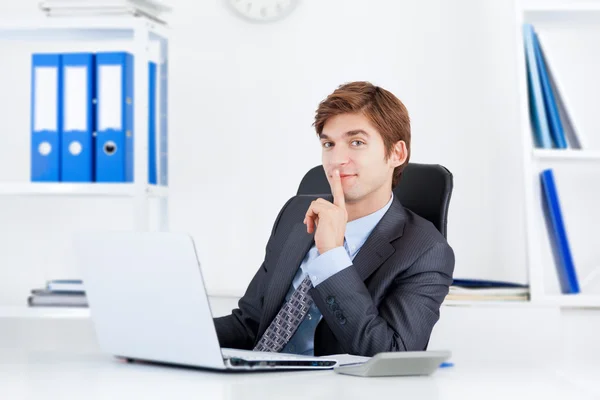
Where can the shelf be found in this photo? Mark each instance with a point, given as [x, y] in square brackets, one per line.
[576, 13]
[567, 154]
[487, 303]
[81, 189]
[575, 301]
[571, 301]
[564, 301]
[43, 312]
[220, 305]
[80, 28]
[581, 7]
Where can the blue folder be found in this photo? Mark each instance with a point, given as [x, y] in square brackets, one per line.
[78, 93]
[114, 117]
[152, 124]
[536, 96]
[46, 80]
[164, 142]
[558, 235]
[555, 124]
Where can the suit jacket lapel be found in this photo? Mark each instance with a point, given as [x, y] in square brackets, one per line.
[293, 252]
[378, 246]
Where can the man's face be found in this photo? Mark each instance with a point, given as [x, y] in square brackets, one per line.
[350, 143]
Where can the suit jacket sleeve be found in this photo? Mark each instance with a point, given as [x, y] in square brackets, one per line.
[238, 330]
[404, 319]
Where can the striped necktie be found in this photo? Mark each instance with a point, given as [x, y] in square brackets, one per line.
[287, 320]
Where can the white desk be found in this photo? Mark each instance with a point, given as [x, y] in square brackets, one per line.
[58, 358]
[89, 375]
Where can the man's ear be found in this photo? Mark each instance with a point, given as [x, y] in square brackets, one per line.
[399, 153]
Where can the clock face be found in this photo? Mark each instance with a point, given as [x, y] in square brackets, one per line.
[263, 10]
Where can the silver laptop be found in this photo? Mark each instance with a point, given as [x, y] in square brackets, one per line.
[148, 302]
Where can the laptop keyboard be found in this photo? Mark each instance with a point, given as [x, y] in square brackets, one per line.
[261, 355]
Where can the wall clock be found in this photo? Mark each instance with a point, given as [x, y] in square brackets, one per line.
[262, 10]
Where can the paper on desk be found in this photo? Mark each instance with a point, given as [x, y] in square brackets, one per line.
[344, 359]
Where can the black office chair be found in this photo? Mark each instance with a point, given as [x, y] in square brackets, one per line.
[425, 189]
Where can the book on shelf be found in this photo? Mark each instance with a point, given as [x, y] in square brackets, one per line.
[65, 285]
[487, 290]
[59, 293]
[154, 9]
[486, 283]
[552, 125]
[488, 294]
[47, 298]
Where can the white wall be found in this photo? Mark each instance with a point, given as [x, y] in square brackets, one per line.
[242, 99]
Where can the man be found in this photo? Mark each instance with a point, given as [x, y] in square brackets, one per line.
[354, 272]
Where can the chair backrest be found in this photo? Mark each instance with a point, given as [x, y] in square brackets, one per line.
[425, 189]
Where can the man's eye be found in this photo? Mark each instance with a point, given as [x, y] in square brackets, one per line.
[358, 141]
[326, 144]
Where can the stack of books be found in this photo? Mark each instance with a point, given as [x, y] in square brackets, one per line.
[153, 9]
[59, 293]
[485, 290]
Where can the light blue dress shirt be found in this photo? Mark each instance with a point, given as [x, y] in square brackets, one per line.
[322, 266]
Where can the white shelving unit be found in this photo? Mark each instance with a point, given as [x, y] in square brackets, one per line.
[576, 301]
[565, 16]
[44, 312]
[84, 189]
[147, 40]
[566, 155]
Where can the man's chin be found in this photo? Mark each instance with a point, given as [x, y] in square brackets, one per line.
[352, 197]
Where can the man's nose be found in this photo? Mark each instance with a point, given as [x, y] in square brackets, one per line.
[339, 156]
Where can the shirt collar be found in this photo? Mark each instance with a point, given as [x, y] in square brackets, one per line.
[358, 231]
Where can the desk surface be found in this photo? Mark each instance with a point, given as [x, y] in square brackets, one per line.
[60, 359]
[90, 375]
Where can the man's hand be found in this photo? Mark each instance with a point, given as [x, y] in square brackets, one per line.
[329, 219]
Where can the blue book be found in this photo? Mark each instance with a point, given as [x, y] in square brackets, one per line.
[65, 285]
[114, 117]
[555, 124]
[536, 96]
[46, 81]
[78, 94]
[567, 275]
[152, 124]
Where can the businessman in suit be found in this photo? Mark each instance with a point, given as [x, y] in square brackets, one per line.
[353, 272]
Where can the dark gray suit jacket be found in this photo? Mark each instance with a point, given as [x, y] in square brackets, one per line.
[388, 300]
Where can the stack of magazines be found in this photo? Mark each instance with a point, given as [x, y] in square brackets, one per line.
[79, 8]
[485, 290]
[59, 293]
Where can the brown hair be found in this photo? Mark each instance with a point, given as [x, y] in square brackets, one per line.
[384, 110]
